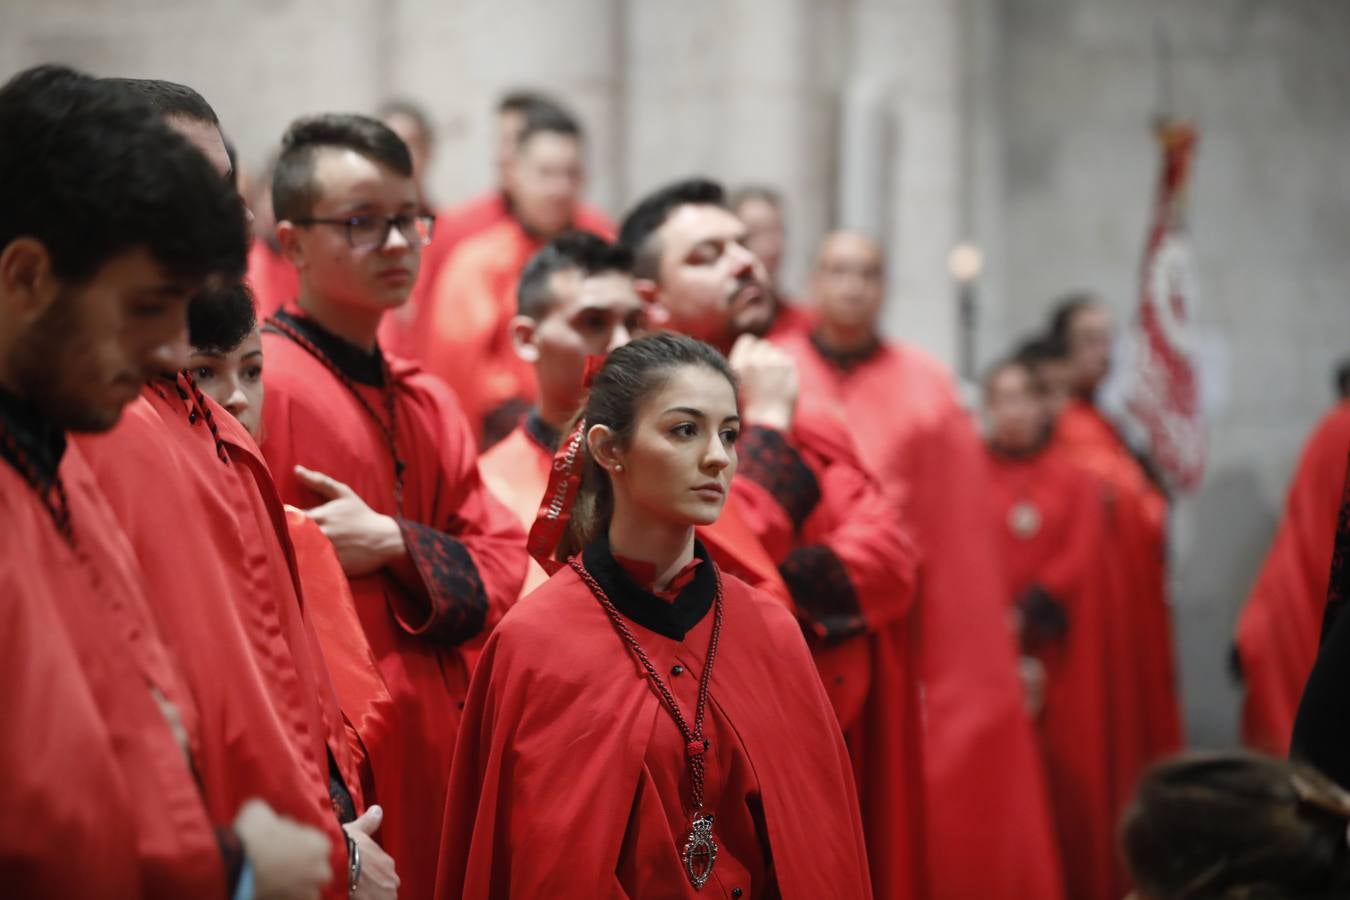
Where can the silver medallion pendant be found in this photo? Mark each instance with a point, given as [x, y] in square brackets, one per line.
[1024, 519]
[700, 851]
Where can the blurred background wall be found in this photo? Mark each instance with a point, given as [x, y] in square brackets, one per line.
[1019, 125]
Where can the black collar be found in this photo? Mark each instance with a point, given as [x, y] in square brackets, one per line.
[360, 366]
[36, 446]
[1021, 455]
[541, 432]
[672, 619]
[845, 359]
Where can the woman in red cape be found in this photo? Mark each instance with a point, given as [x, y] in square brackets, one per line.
[644, 724]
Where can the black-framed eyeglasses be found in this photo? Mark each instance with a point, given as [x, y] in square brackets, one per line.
[372, 232]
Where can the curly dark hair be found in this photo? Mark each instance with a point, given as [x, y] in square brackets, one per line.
[91, 171]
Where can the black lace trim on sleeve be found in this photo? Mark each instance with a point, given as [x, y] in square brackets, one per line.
[1338, 584]
[1045, 621]
[457, 600]
[767, 459]
[821, 589]
[344, 807]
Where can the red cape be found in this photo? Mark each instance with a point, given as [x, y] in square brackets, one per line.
[100, 799]
[987, 817]
[214, 532]
[568, 776]
[366, 705]
[1051, 518]
[1278, 630]
[464, 547]
[272, 277]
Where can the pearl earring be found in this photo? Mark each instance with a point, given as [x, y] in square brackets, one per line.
[618, 467]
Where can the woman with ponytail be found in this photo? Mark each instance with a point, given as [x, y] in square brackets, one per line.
[1237, 826]
[644, 724]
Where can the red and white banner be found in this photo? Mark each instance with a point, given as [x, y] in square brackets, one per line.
[1165, 397]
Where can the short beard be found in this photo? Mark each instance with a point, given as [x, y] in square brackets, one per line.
[44, 360]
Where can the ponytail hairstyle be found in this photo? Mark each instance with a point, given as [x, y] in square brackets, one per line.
[629, 375]
[1237, 826]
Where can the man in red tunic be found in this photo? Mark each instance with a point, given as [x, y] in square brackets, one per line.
[1277, 632]
[276, 730]
[761, 209]
[472, 301]
[382, 458]
[985, 788]
[108, 222]
[1051, 521]
[803, 489]
[1148, 693]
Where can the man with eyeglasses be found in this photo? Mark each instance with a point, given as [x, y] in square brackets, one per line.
[383, 459]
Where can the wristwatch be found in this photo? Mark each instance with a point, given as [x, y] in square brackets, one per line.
[353, 866]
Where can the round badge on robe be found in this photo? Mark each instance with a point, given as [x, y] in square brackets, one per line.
[1024, 519]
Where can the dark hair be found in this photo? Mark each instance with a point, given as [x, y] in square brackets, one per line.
[578, 250]
[522, 101]
[639, 227]
[402, 106]
[629, 375]
[294, 192]
[1237, 826]
[1042, 348]
[232, 153]
[1064, 311]
[1016, 361]
[91, 171]
[168, 98]
[548, 118]
[219, 318]
[1343, 380]
[761, 192]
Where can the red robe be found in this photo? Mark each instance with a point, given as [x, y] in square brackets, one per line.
[466, 559]
[867, 658]
[569, 776]
[99, 796]
[210, 536]
[272, 277]
[516, 470]
[1051, 518]
[987, 817]
[1277, 633]
[1145, 684]
[404, 331]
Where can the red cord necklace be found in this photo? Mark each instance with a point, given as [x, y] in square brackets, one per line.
[700, 849]
[389, 429]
